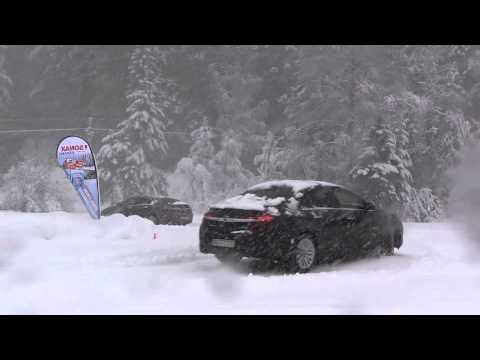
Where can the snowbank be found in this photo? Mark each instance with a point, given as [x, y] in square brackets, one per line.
[61, 263]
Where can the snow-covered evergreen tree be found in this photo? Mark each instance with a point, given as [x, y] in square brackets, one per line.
[34, 183]
[229, 175]
[206, 176]
[382, 174]
[192, 179]
[268, 162]
[129, 155]
[5, 80]
[442, 128]
[423, 206]
[290, 111]
[202, 149]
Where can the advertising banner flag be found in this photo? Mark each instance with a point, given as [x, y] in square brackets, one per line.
[75, 157]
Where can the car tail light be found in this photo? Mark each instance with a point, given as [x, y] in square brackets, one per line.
[208, 214]
[265, 218]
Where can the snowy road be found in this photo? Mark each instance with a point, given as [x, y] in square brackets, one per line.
[61, 263]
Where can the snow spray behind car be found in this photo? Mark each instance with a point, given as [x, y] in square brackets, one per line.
[76, 158]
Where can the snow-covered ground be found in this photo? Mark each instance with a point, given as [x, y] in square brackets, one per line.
[61, 263]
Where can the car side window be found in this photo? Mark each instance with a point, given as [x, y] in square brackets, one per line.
[320, 197]
[128, 202]
[142, 200]
[346, 199]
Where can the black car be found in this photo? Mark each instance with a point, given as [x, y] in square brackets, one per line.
[160, 210]
[298, 223]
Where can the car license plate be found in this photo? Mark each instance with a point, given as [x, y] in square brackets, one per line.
[223, 243]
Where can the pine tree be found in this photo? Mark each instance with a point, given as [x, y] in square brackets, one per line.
[277, 111]
[423, 206]
[229, 176]
[382, 174]
[442, 129]
[5, 80]
[127, 156]
[34, 183]
[192, 179]
[330, 103]
[268, 161]
[202, 149]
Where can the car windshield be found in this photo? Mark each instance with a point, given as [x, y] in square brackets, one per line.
[272, 192]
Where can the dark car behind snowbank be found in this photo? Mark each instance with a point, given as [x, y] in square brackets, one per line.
[298, 223]
[160, 210]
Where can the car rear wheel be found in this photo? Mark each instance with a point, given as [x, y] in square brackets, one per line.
[153, 219]
[229, 258]
[303, 256]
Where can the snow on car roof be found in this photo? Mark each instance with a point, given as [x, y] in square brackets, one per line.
[296, 185]
[248, 202]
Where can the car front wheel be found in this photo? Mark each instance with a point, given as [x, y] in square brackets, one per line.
[398, 239]
[388, 245]
[303, 256]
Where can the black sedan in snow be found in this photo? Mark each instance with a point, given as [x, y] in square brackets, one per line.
[299, 224]
[160, 210]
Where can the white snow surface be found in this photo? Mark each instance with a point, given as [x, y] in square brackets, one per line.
[60, 263]
[296, 185]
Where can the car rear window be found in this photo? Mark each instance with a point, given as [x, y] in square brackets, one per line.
[272, 192]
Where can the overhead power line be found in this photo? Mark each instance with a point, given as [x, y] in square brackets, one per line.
[50, 130]
[11, 131]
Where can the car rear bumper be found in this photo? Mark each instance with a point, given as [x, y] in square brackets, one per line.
[255, 242]
[183, 218]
